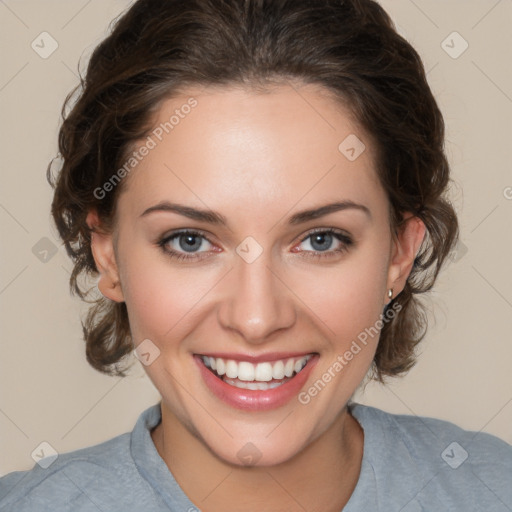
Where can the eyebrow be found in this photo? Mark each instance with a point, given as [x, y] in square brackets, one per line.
[212, 217]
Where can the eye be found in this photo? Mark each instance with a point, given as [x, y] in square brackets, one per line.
[321, 242]
[184, 245]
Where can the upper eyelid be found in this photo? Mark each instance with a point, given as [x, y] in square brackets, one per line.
[185, 231]
[336, 231]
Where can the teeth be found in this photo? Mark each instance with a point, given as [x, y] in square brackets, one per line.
[289, 368]
[246, 371]
[260, 373]
[255, 386]
[278, 370]
[263, 372]
[231, 369]
[221, 366]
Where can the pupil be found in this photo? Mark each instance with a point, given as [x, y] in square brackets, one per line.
[325, 237]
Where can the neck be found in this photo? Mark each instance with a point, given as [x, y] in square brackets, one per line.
[321, 477]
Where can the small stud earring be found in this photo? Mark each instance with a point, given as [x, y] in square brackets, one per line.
[390, 293]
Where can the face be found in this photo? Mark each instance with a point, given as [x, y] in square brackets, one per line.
[257, 283]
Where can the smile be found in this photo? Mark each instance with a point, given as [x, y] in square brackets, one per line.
[260, 376]
[255, 386]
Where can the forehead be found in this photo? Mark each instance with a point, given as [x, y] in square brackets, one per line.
[234, 148]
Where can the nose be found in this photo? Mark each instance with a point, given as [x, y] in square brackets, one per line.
[256, 302]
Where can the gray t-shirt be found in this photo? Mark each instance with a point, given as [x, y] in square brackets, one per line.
[409, 464]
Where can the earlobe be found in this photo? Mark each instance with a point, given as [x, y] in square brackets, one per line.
[405, 250]
[102, 248]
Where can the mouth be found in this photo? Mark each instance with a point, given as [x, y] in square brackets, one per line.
[255, 385]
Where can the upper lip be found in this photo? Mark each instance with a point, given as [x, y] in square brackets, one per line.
[271, 356]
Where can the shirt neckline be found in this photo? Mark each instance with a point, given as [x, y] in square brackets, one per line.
[153, 468]
[151, 465]
[365, 491]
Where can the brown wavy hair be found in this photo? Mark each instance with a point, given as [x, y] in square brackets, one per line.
[350, 47]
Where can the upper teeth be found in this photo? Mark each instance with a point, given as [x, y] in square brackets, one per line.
[264, 372]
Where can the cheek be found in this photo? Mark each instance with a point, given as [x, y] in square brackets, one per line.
[347, 297]
[159, 295]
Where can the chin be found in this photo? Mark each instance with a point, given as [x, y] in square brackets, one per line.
[250, 454]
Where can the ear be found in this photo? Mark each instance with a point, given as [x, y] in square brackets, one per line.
[102, 247]
[403, 252]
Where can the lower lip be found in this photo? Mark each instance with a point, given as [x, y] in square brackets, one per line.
[255, 400]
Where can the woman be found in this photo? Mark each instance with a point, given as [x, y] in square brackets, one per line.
[260, 186]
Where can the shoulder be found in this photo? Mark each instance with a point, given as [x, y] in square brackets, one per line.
[421, 433]
[67, 482]
[437, 459]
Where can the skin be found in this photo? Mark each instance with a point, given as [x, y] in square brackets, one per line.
[257, 159]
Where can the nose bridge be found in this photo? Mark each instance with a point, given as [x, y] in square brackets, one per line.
[256, 302]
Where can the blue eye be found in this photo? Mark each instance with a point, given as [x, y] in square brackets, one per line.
[184, 245]
[322, 239]
[187, 241]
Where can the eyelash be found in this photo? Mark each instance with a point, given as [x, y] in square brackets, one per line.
[346, 241]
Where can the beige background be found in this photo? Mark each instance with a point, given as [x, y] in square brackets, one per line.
[47, 390]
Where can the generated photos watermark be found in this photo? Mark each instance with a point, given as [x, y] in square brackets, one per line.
[343, 360]
[151, 142]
